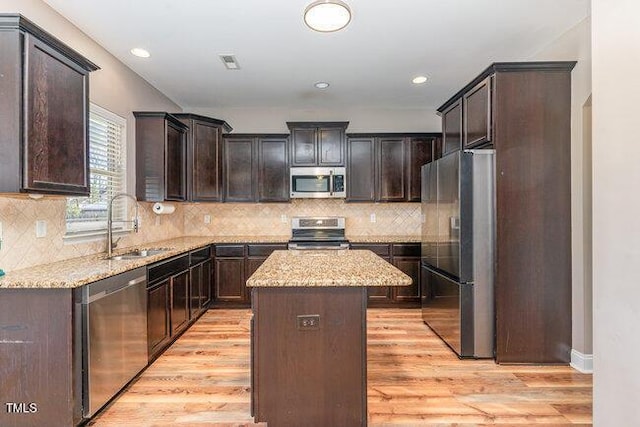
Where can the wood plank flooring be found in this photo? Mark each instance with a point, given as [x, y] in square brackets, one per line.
[414, 379]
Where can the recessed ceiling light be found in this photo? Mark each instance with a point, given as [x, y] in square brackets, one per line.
[321, 85]
[230, 62]
[419, 80]
[139, 52]
[327, 15]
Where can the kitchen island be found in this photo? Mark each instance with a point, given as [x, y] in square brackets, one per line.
[308, 338]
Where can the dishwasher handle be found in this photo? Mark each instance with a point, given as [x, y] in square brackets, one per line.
[130, 283]
[111, 285]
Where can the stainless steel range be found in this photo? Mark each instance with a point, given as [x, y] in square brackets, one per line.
[318, 233]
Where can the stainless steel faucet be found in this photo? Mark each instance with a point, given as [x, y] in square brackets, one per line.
[110, 243]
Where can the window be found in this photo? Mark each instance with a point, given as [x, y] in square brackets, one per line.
[107, 173]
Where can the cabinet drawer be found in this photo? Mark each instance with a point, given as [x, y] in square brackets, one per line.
[406, 249]
[164, 269]
[199, 255]
[264, 250]
[230, 251]
[378, 249]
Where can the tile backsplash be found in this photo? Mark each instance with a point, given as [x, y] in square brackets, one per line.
[275, 218]
[22, 249]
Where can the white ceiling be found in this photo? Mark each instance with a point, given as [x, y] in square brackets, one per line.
[368, 64]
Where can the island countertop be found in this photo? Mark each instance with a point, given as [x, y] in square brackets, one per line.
[309, 268]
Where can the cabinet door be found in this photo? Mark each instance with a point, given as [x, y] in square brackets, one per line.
[273, 170]
[229, 283]
[195, 290]
[411, 267]
[179, 302]
[206, 169]
[239, 170]
[391, 161]
[361, 170]
[477, 114]
[303, 147]
[157, 317]
[330, 147]
[207, 278]
[420, 153]
[452, 128]
[56, 147]
[175, 162]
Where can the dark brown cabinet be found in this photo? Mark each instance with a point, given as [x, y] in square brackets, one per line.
[234, 264]
[161, 150]
[476, 117]
[204, 156]
[179, 302]
[452, 127]
[158, 329]
[44, 112]
[524, 110]
[199, 281]
[386, 167]
[256, 168]
[317, 143]
[406, 257]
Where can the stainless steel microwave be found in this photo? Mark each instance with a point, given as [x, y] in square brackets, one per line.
[318, 183]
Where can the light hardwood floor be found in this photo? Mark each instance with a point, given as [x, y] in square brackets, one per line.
[413, 380]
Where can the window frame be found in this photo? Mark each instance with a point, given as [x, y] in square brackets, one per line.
[95, 230]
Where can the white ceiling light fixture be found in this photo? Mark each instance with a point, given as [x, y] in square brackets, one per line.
[321, 85]
[419, 80]
[140, 52]
[327, 16]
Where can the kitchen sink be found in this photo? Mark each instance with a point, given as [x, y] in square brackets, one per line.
[138, 253]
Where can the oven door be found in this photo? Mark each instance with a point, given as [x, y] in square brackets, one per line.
[317, 183]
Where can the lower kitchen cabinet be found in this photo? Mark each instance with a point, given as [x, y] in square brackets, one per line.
[234, 264]
[404, 256]
[179, 302]
[158, 333]
[199, 281]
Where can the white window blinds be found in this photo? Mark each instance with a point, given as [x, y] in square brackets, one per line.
[107, 167]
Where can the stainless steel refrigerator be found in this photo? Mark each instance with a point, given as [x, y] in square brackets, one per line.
[458, 241]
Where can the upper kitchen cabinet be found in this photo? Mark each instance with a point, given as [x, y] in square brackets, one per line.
[476, 116]
[317, 143]
[161, 152]
[524, 111]
[452, 127]
[204, 156]
[255, 168]
[386, 167]
[44, 112]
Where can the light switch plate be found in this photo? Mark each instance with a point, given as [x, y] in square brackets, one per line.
[207, 219]
[372, 217]
[283, 218]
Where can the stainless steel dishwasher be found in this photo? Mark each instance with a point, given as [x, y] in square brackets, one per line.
[114, 330]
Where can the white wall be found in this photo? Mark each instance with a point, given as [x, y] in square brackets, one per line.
[273, 120]
[616, 208]
[575, 45]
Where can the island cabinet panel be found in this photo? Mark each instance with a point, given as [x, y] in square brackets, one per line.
[310, 375]
[44, 112]
[40, 372]
[204, 156]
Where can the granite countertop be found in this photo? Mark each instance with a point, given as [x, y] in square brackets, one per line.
[327, 268]
[77, 272]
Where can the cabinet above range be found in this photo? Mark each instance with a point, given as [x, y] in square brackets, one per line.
[317, 143]
[44, 112]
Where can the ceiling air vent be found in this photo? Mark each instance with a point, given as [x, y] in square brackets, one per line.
[230, 62]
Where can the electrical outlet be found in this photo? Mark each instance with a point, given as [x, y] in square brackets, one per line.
[157, 220]
[1, 236]
[308, 322]
[372, 217]
[41, 228]
[283, 218]
[207, 219]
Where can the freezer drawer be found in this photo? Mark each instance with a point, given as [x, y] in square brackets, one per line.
[458, 314]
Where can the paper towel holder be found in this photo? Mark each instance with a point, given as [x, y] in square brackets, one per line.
[163, 208]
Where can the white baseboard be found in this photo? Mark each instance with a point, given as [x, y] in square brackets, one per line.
[582, 362]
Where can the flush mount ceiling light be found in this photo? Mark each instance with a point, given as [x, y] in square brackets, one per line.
[139, 52]
[419, 80]
[327, 15]
[321, 85]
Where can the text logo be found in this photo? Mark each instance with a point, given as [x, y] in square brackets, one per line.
[21, 408]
